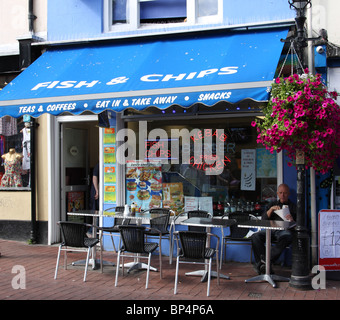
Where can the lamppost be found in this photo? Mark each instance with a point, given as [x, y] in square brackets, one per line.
[300, 277]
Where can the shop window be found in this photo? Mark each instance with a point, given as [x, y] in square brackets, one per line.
[133, 14]
[243, 176]
[14, 153]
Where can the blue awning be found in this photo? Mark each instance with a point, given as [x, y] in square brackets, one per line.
[178, 71]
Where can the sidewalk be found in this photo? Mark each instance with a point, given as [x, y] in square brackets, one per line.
[32, 267]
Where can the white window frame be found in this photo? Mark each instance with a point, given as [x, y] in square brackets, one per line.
[134, 14]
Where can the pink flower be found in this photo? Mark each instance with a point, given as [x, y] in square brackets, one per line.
[319, 144]
[318, 134]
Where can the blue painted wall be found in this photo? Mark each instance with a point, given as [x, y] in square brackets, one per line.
[83, 19]
[254, 11]
[74, 19]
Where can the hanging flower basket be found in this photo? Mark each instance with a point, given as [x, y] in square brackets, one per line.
[302, 115]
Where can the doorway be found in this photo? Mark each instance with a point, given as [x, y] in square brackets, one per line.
[76, 152]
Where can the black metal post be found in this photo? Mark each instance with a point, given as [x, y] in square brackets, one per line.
[33, 238]
[300, 277]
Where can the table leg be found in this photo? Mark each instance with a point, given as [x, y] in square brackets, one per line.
[267, 276]
[204, 275]
[137, 266]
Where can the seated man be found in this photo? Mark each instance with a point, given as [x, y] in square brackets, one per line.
[283, 237]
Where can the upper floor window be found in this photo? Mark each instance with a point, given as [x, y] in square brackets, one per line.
[134, 14]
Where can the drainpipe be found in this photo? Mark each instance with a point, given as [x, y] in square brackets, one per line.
[31, 17]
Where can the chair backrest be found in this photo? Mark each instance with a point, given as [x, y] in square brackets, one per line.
[235, 231]
[160, 223]
[73, 233]
[121, 221]
[193, 244]
[198, 214]
[133, 238]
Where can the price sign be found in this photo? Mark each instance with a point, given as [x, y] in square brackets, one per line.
[329, 239]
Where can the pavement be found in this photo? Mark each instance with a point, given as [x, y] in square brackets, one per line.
[27, 273]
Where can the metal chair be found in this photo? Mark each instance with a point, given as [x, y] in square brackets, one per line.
[189, 214]
[134, 246]
[75, 239]
[161, 224]
[112, 231]
[237, 235]
[193, 247]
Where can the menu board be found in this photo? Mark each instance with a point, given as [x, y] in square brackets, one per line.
[144, 184]
[329, 239]
[109, 156]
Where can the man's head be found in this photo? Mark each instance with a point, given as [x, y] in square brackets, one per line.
[283, 193]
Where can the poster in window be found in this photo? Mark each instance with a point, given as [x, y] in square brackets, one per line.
[248, 172]
[144, 184]
[109, 136]
[110, 194]
[198, 203]
[265, 164]
[173, 197]
[75, 201]
[109, 175]
[329, 239]
[109, 155]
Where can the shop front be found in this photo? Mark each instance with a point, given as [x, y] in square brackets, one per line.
[174, 118]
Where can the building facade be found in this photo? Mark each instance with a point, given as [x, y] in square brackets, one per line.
[142, 36]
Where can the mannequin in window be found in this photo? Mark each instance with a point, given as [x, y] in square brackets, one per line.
[26, 154]
[13, 170]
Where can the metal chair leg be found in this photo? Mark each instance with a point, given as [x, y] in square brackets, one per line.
[57, 266]
[160, 256]
[209, 277]
[87, 262]
[117, 268]
[176, 275]
[148, 271]
[217, 270]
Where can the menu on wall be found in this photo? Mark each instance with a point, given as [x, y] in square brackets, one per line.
[329, 239]
[144, 184]
[109, 156]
